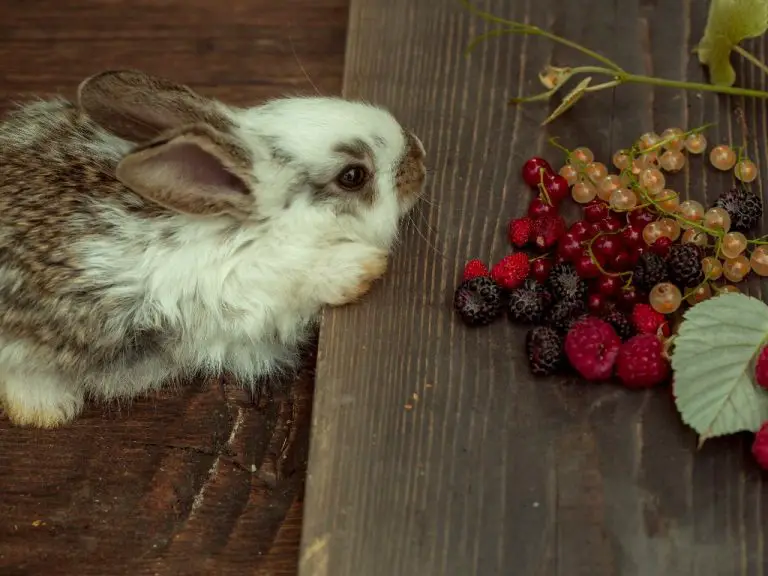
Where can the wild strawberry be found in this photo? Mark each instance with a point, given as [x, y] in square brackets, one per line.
[473, 269]
[547, 231]
[592, 346]
[760, 446]
[761, 368]
[512, 270]
[647, 321]
[641, 362]
[519, 231]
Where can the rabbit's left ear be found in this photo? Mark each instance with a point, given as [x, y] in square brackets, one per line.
[192, 170]
[139, 107]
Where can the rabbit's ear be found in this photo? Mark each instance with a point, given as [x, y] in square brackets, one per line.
[138, 107]
[193, 170]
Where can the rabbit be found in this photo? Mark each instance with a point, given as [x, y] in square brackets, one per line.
[148, 233]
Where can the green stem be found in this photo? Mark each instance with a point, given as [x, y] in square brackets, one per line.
[733, 91]
[747, 55]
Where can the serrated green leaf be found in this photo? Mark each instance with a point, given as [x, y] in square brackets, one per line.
[569, 99]
[728, 23]
[713, 364]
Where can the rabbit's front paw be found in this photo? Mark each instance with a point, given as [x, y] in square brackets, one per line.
[38, 401]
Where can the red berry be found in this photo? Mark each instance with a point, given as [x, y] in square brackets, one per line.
[579, 229]
[641, 362]
[557, 187]
[596, 302]
[473, 269]
[635, 253]
[540, 269]
[591, 347]
[532, 171]
[608, 285]
[585, 265]
[569, 247]
[661, 246]
[547, 231]
[519, 231]
[630, 296]
[760, 446]
[621, 262]
[595, 211]
[511, 271]
[559, 260]
[611, 224]
[538, 209]
[639, 218]
[646, 320]
[632, 236]
[607, 246]
[761, 368]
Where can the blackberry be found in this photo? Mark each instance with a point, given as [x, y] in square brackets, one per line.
[478, 301]
[620, 323]
[564, 313]
[545, 350]
[526, 306]
[565, 284]
[684, 265]
[744, 207]
[649, 271]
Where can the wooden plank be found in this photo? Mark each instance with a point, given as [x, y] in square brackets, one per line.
[492, 472]
[202, 480]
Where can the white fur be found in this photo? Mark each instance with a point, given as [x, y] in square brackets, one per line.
[242, 298]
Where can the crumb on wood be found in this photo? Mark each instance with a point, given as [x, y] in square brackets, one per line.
[409, 406]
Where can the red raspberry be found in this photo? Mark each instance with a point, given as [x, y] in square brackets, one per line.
[647, 321]
[641, 363]
[592, 346]
[519, 231]
[512, 270]
[547, 230]
[760, 446]
[473, 269]
[761, 368]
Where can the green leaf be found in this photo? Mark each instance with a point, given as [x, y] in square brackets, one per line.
[713, 364]
[569, 99]
[728, 23]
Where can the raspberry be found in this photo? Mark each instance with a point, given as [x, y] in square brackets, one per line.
[563, 314]
[528, 303]
[519, 231]
[760, 446]
[646, 320]
[511, 270]
[565, 284]
[547, 230]
[478, 301]
[744, 207]
[473, 269]
[761, 368]
[651, 269]
[641, 363]
[592, 346]
[684, 265]
[545, 350]
[620, 323]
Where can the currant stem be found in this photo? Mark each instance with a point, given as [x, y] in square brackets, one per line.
[747, 55]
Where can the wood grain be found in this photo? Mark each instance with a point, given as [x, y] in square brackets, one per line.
[490, 472]
[203, 480]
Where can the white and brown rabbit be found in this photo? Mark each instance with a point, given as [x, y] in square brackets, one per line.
[148, 233]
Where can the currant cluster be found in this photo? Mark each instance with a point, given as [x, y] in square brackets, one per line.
[637, 254]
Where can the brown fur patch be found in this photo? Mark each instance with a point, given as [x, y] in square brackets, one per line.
[411, 170]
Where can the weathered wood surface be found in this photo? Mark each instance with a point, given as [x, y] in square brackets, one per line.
[206, 480]
[492, 472]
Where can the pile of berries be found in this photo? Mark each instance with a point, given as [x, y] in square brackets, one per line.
[598, 295]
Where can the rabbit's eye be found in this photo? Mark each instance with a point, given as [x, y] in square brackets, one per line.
[352, 177]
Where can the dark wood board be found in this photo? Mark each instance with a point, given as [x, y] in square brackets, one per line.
[204, 480]
[491, 472]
